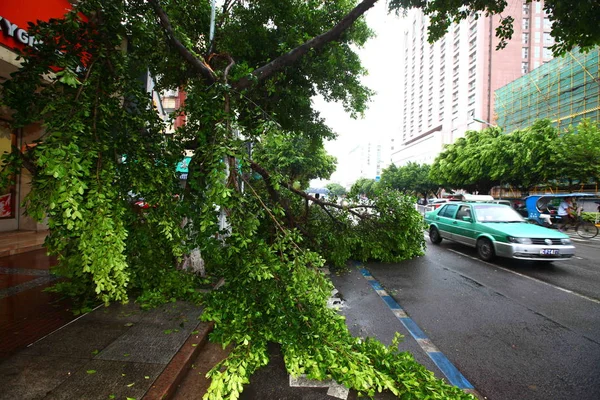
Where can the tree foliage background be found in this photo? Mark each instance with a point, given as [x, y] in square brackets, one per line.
[256, 141]
[412, 179]
[540, 155]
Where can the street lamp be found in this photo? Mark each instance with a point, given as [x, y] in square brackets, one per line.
[484, 122]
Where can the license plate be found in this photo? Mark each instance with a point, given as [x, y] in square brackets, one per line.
[549, 252]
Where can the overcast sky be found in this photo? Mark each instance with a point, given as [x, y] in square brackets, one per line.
[381, 57]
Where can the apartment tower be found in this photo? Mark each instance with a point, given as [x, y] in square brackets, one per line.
[449, 86]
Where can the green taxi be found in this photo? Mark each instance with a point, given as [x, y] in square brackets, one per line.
[497, 230]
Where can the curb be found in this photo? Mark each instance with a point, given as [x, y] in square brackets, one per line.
[165, 386]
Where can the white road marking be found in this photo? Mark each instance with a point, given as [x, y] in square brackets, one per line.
[528, 277]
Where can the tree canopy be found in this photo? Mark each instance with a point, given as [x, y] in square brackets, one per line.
[468, 162]
[412, 178]
[250, 88]
[364, 187]
[336, 189]
[537, 156]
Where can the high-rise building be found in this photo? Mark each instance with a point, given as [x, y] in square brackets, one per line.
[564, 90]
[448, 87]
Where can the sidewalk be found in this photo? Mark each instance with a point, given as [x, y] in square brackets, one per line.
[115, 352]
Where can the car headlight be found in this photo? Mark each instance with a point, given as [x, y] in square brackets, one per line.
[513, 239]
[565, 241]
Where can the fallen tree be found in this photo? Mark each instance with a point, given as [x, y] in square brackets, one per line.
[248, 94]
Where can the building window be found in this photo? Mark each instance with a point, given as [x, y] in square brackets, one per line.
[524, 67]
[525, 52]
[471, 99]
[538, 7]
[473, 43]
[525, 38]
[526, 9]
[547, 23]
[525, 23]
[536, 52]
[536, 64]
[538, 37]
[548, 39]
[538, 22]
[547, 53]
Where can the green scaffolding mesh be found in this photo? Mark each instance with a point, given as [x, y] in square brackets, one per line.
[564, 90]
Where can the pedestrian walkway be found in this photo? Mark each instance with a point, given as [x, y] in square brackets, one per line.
[115, 352]
[27, 311]
[118, 352]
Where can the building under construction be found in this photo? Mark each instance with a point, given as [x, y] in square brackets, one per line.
[564, 90]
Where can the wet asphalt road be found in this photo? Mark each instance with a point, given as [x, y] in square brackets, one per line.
[516, 330]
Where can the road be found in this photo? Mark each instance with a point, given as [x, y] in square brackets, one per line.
[512, 329]
[515, 330]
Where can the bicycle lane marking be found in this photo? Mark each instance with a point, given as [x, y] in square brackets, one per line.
[453, 375]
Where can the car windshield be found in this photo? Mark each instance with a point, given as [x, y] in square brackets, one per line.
[499, 213]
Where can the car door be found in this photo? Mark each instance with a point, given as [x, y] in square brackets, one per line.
[445, 220]
[464, 223]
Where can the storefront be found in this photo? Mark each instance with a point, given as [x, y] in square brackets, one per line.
[14, 18]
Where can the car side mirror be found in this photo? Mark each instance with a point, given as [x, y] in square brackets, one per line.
[468, 219]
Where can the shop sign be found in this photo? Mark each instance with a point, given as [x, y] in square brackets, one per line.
[16, 14]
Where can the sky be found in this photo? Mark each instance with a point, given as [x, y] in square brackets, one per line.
[381, 57]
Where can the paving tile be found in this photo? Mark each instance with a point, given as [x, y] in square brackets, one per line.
[81, 339]
[110, 378]
[29, 316]
[129, 313]
[157, 337]
[27, 377]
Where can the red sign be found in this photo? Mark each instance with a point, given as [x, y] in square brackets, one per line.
[15, 15]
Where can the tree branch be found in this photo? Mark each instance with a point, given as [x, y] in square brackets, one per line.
[315, 43]
[207, 73]
[272, 192]
[267, 177]
[28, 164]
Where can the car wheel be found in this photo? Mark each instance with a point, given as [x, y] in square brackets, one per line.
[434, 235]
[485, 249]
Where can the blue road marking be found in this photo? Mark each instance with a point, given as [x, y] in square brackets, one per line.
[453, 375]
[390, 302]
[413, 328]
[448, 369]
